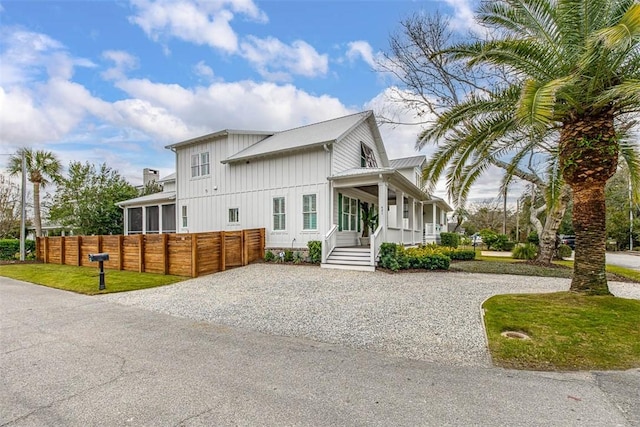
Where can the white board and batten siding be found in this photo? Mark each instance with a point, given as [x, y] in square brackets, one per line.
[346, 153]
[250, 187]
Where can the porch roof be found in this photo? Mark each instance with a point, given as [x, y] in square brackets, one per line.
[368, 176]
[149, 199]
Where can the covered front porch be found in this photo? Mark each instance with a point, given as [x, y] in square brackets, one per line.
[405, 215]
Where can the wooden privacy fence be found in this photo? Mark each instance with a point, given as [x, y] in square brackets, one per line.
[191, 254]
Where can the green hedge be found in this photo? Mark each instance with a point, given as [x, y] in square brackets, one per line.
[10, 248]
[460, 254]
[451, 240]
[315, 251]
[564, 251]
[396, 257]
[526, 251]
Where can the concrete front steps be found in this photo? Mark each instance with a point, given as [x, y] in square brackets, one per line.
[354, 258]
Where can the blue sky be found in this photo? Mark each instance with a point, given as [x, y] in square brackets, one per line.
[116, 81]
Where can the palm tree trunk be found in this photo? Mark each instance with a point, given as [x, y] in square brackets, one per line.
[589, 157]
[552, 223]
[36, 209]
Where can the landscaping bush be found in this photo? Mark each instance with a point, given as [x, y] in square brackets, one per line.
[269, 256]
[9, 248]
[288, 256]
[315, 251]
[508, 246]
[451, 240]
[494, 241]
[533, 238]
[393, 257]
[564, 251]
[526, 251]
[297, 257]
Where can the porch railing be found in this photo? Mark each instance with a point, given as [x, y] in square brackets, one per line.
[329, 242]
[374, 243]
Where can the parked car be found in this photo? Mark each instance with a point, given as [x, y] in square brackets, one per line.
[476, 239]
[568, 240]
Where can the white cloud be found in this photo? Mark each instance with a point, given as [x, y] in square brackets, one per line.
[123, 62]
[203, 70]
[275, 60]
[363, 50]
[463, 18]
[200, 22]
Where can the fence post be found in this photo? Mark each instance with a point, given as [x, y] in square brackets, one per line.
[120, 251]
[141, 253]
[38, 248]
[194, 255]
[245, 248]
[223, 252]
[79, 251]
[165, 253]
[100, 244]
[262, 243]
[62, 250]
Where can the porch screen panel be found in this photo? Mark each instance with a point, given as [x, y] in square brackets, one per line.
[153, 219]
[169, 218]
[135, 221]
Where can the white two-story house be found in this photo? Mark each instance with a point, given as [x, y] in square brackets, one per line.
[301, 184]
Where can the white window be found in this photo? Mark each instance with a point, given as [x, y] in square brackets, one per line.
[309, 212]
[234, 215]
[279, 216]
[184, 216]
[195, 165]
[349, 214]
[204, 163]
[367, 158]
[200, 164]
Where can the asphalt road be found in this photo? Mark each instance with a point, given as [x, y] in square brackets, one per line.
[623, 259]
[72, 360]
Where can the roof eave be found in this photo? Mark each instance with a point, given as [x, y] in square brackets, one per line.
[276, 153]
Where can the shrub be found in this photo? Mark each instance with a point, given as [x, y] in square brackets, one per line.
[533, 238]
[269, 256]
[288, 256]
[564, 251]
[10, 248]
[297, 257]
[389, 256]
[526, 251]
[508, 246]
[451, 240]
[315, 251]
[494, 241]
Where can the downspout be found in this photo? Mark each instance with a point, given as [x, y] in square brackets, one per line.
[329, 189]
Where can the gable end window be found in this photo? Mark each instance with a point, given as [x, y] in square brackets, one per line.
[184, 216]
[200, 164]
[367, 157]
[309, 212]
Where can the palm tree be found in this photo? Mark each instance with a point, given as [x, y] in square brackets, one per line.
[576, 68]
[43, 167]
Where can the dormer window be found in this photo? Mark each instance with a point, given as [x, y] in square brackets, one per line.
[367, 158]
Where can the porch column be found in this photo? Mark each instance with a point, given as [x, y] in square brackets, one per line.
[412, 215]
[434, 219]
[383, 199]
[144, 220]
[421, 222]
[126, 222]
[400, 214]
[443, 217]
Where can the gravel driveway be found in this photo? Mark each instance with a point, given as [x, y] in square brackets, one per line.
[432, 316]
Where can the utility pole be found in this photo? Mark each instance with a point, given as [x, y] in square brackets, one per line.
[23, 207]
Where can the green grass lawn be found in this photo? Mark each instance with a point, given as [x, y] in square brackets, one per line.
[568, 331]
[84, 280]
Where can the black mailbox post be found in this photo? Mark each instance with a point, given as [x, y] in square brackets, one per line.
[100, 258]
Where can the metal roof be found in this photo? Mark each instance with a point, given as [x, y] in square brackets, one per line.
[407, 162]
[217, 134]
[170, 177]
[144, 200]
[308, 136]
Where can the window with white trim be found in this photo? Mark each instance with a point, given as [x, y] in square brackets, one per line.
[309, 212]
[279, 215]
[200, 164]
[184, 216]
[367, 157]
[349, 214]
[234, 215]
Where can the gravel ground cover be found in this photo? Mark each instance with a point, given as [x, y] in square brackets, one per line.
[433, 316]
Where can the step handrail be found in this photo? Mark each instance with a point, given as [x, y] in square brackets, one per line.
[329, 242]
[374, 244]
